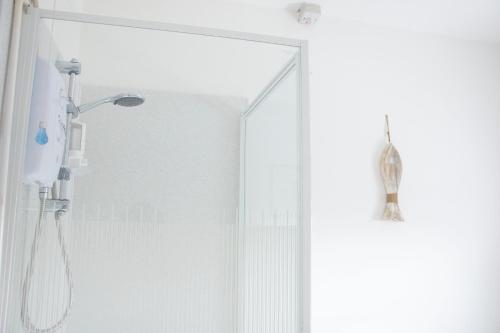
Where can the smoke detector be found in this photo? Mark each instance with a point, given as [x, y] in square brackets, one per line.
[308, 13]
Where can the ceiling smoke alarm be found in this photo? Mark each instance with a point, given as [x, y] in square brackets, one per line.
[308, 13]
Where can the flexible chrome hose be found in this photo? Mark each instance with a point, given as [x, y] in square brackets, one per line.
[28, 279]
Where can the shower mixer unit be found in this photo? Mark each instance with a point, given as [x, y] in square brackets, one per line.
[55, 146]
[58, 142]
[50, 131]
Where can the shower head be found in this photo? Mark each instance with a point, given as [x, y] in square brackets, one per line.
[127, 100]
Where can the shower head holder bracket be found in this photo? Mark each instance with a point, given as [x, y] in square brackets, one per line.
[59, 206]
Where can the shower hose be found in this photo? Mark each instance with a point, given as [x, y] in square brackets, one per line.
[28, 279]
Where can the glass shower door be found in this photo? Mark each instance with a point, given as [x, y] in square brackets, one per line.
[273, 234]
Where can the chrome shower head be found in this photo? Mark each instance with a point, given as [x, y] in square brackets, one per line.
[127, 100]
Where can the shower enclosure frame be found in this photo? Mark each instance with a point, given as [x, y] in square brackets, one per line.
[25, 72]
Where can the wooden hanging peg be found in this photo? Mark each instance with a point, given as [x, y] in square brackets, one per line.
[387, 128]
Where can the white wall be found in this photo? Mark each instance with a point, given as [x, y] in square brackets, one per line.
[439, 271]
[66, 37]
[176, 156]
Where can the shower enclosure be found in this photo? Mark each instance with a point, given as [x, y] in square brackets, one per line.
[189, 212]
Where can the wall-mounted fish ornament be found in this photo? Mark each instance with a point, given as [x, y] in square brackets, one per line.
[390, 170]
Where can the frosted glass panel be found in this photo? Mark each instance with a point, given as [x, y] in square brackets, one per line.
[161, 244]
[272, 230]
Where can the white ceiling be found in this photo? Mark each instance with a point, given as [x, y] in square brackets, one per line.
[467, 19]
